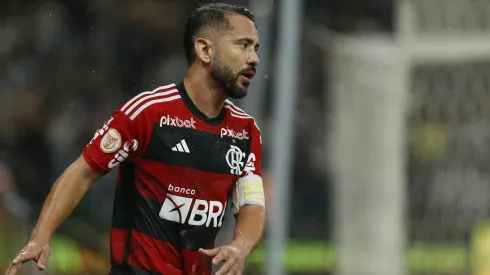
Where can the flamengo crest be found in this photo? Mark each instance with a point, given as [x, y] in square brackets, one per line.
[235, 158]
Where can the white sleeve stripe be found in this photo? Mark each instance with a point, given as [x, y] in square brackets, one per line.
[149, 103]
[234, 111]
[159, 94]
[145, 93]
[256, 126]
[240, 116]
[237, 112]
[236, 108]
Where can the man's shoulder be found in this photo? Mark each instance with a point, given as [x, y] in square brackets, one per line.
[149, 101]
[239, 115]
[236, 111]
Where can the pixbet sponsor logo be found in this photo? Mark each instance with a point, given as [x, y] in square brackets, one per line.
[177, 122]
[191, 211]
[123, 154]
[226, 132]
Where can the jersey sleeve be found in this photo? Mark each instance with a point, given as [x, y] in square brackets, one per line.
[254, 159]
[249, 187]
[119, 140]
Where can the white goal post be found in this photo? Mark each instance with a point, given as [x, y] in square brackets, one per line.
[370, 80]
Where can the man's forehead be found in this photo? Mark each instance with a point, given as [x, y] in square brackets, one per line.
[241, 26]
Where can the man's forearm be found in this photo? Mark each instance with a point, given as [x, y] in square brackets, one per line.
[66, 193]
[249, 227]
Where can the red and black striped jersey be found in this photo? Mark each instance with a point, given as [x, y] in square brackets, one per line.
[177, 168]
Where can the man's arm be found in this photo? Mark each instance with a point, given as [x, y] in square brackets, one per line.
[248, 205]
[249, 229]
[121, 138]
[66, 193]
[250, 226]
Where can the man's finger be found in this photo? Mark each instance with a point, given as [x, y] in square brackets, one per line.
[43, 258]
[222, 256]
[12, 269]
[227, 268]
[8, 270]
[209, 252]
[15, 265]
[22, 258]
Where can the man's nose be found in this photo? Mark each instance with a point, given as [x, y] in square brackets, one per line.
[253, 59]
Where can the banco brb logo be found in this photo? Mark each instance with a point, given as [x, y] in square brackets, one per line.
[202, 213]
[234, 158]
[175, 208]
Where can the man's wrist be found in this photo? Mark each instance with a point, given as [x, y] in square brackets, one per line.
[242, 246]
[41, 236]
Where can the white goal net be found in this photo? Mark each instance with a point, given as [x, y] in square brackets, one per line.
[410, 144]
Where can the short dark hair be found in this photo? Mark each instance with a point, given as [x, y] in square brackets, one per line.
[213, 15]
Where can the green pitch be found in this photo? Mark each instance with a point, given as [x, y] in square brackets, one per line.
[318, 256]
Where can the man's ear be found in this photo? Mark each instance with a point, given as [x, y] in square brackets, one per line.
[204, 49]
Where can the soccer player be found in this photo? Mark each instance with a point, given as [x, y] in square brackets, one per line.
[182, 151]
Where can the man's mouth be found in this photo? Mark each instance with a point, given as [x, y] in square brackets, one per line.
[248, 75]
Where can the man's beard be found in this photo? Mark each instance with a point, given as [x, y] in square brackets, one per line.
[227, 79]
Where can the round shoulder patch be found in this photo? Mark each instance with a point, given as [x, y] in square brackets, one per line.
[111, 142]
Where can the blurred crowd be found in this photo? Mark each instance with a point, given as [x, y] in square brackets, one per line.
[449, 168]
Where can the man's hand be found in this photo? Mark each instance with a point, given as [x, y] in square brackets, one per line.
[67, 191]
[232, 255]
[37, 251]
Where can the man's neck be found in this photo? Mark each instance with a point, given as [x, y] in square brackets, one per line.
[204, 92]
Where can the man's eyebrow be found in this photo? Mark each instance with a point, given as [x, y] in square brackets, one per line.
[248, 40]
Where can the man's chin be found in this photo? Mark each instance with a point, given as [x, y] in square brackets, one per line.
[238, 93]
[237, 96]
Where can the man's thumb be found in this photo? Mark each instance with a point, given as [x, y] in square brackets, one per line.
[209, 252]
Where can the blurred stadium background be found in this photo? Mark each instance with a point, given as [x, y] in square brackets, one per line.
[383, 107]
